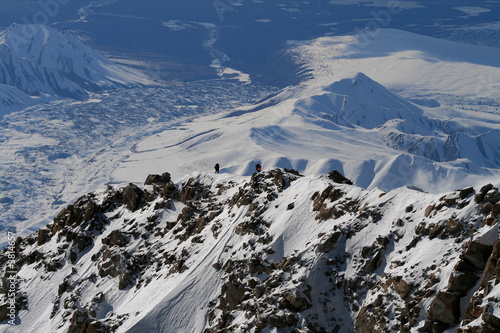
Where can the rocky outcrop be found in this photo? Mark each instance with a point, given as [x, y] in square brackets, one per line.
[164, 178]
[358, 269]
[338, 178]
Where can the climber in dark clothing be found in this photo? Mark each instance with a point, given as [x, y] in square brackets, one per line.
[258, 167]
[216, 167]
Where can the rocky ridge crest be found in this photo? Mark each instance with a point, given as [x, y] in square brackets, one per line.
[275, 250]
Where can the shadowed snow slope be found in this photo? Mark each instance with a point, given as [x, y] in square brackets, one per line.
[13, 99]
[39, 60]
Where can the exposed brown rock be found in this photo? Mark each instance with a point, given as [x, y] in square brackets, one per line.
[338, 178]
[117, 238]
[157, 179]
[132, 196]
[461, 283]
[445, 308]
[329, 243]
[492, 269]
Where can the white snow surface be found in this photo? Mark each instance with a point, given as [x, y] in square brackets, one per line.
[387, 108]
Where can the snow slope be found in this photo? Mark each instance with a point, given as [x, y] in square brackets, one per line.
[13, 99]
[383, 136]
[53, 152]
[353, 124]
[272, 252]
[41, 61]
[414, 65]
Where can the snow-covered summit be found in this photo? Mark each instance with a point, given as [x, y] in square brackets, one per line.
[358, 101]
[42, 61]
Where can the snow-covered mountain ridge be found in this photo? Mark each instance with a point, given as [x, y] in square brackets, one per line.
[271, 252]
[374, 136]
[39, 60]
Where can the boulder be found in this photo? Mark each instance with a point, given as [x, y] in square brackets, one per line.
[329, 243]
[482, 193]
[445, 308]
[464, 193]
[43, 236]
[158, 179]
[233, 294]
[491, 269]
[338, 178]
[462, 283]
[495, 211]
[132, 196]
[81, 322]
[475, 257]
[153, 179]
[486, 208]
[490, 320]
[117, 238]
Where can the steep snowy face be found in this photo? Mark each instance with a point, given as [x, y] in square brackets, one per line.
[402, 125]
[275, 252]
[39, 60]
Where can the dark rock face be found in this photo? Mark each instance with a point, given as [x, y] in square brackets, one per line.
[338, 178]
[329, 243]
[445, 308]
[132, 196]
[164, 178]
[117, 238]
[82, 322]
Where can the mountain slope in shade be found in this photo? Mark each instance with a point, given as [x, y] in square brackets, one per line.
[41, 61]
[13, 99]
[274, 252]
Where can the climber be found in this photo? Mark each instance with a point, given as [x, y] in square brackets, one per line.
[216, 167]
[258, 167]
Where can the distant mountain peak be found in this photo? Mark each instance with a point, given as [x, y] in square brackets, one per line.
[361, 101]
[40, 60]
